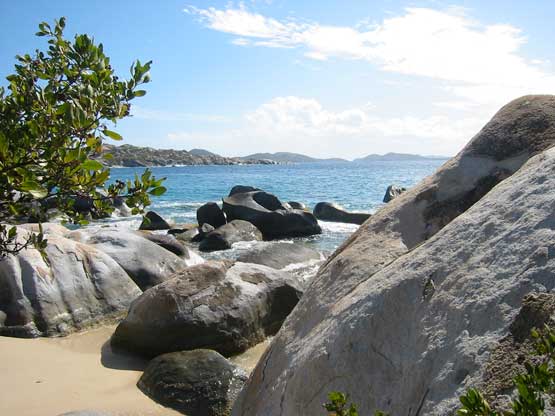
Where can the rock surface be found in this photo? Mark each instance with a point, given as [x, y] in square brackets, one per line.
[297, 205]
[147, 263]
[269, 215]
[78, 287]
[327, 211]
[212, 305]
[240, 189]
[391, 192]
[154, 222]
[279, 255]
[197, 383]
[168, 242]
[225, 236]
[404, 315]
[210, 213]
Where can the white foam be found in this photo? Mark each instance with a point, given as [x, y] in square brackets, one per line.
[338, 227]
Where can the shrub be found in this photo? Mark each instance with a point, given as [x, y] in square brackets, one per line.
[54, 116]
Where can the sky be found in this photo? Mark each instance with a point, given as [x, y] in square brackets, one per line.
[324, 78]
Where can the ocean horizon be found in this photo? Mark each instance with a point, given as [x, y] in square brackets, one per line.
[356, 187]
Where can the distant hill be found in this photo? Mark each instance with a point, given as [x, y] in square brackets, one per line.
[287, 157]
[202, 152]
[396, 157]
[131, 156]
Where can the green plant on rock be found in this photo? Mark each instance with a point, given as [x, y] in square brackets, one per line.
[338, 405]
[533, 387]
[56, 112]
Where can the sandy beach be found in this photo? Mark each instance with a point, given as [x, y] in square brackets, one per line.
[52, 376]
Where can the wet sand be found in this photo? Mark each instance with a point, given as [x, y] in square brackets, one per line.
[51, 376]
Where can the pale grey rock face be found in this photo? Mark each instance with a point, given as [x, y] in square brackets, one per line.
[215, 305]
[280, 255]
[80, 286]
[89, 278]
[404, 314]
[147, 263]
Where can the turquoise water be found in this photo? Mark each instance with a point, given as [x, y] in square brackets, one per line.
[355, 186]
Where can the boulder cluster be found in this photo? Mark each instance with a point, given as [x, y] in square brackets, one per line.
[422, 302]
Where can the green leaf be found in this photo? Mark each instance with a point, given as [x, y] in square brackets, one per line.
[112, 134]
[34, 188]
[160, 190]
[90, 164]
[139, 93]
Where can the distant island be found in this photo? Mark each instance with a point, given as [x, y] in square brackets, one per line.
[134, 156]
[288, 157]
[397, 157]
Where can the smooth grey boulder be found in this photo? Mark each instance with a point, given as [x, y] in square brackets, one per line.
[269, 215]
[196, 383]
[154, 222]
[168, 242]
[239, 189]
[393, 191]
[225, 236]
[202, 232]
[280, 255]
[215, 305]
[328, 211]
[404, 315]
[297, 205]
[181, 228]
[146, 262]
[78, 287]
[211, 213]
[188, 236]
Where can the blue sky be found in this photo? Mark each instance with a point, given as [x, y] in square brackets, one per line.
[326, 78]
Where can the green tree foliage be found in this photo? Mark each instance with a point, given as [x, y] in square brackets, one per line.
[54, 116]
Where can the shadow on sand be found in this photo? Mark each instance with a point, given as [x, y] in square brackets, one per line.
[120, 360]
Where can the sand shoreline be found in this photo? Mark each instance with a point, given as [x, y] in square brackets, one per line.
[52, 376]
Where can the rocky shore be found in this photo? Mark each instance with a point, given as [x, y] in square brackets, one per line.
[411, 310]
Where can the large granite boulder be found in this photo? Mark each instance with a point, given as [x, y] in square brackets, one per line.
[146, 262]
[328, 211]
[153, 222]
[406, 315]
[280, 255]
[269, 215]
[167, 242]
[297, 205]
[212, 305]
[392, 191]
[239, 189]
[210, 213]
[225, 236]
[196, 383]
[76, 286]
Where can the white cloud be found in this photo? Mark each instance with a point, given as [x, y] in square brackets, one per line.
[305, 117]
[304, 125]
[480, 63]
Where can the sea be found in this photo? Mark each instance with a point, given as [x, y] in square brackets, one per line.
[357, 187]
